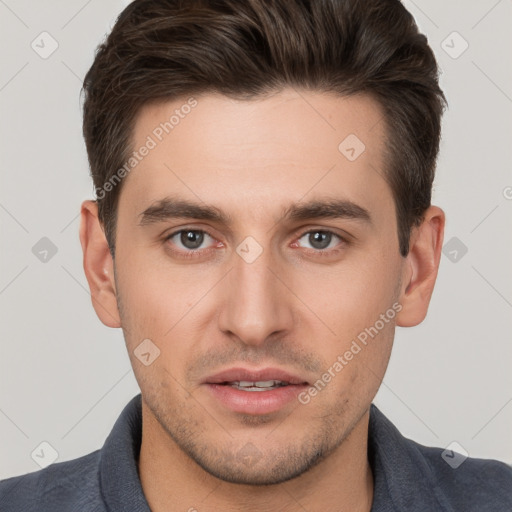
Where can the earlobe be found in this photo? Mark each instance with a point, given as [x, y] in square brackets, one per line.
[98, 265]
[420, 268]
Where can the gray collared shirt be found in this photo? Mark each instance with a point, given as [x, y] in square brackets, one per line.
[407, 476]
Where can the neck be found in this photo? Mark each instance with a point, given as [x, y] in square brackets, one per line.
[342, 482]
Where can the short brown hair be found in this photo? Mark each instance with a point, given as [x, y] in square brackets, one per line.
[166, 49]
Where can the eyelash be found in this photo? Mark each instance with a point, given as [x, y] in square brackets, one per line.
[193, 253]
[325, 252]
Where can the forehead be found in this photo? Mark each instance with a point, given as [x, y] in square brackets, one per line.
[271, 150]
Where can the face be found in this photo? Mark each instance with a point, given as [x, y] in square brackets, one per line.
[261, 259]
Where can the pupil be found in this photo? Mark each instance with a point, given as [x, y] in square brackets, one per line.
[320, 239]
[192, 239]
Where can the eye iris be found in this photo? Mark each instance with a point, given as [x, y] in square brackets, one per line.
[320, 239]
[192, 239]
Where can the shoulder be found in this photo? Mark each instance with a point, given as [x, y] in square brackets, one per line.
[70, 485]
[466, 483]
[412, 476]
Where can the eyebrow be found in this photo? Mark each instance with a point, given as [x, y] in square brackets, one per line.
[332, 208]
[169, 208]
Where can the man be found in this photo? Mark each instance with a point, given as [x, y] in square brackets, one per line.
[263, 173]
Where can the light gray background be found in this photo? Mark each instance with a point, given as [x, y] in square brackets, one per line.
[64, 377]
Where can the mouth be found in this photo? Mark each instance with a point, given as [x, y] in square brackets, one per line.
[255, 380]
[261, 385]
[254, 391]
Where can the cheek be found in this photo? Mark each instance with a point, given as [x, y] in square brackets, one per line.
[155, 295]
[168, 308]
[351, 297]
[154, 307]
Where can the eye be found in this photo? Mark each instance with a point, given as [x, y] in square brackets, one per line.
[319, 240]
[190, 239]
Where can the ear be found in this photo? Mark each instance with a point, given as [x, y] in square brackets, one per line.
[98, 265]
[420, 268]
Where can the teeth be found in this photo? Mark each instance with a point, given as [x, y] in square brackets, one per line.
[244, 384]
[267, 383]
[261, 385]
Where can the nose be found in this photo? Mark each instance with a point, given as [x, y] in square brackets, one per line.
[255, 303]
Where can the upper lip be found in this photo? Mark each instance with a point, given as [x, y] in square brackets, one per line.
[252, 375]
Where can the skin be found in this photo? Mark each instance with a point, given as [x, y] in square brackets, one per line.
[296, 307]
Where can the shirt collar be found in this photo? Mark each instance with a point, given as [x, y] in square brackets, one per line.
[403, 479]
[119, 478]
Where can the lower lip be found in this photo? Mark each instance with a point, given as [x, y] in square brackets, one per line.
[255, 402]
